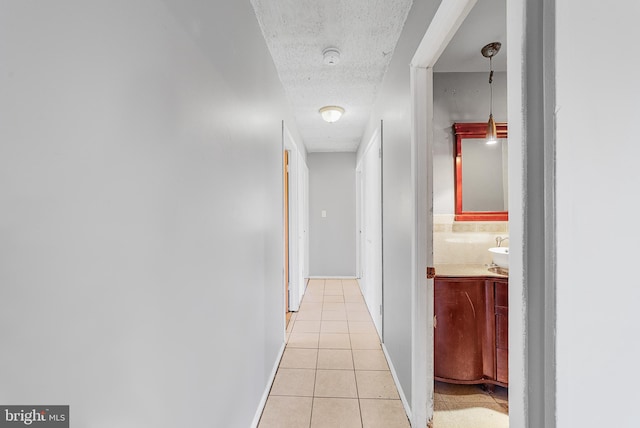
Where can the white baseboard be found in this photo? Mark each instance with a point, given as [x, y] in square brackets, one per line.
[265, 395]
[403, 398]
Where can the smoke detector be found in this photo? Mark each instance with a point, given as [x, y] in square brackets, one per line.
[331, 56]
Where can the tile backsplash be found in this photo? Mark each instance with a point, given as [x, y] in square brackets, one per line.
[465, 242]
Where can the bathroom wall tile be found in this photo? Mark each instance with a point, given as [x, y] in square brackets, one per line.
[439, 228]
[492, 227]
[464, 227]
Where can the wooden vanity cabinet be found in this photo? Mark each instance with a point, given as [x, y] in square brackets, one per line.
[471, 330]
[502, 330]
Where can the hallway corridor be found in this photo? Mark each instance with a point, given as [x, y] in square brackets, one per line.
[333, 372]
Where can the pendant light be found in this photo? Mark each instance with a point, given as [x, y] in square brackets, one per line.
[489, 51]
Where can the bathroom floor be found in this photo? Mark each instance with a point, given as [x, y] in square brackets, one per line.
[469, 406]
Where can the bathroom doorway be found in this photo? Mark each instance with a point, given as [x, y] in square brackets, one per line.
[532, 319]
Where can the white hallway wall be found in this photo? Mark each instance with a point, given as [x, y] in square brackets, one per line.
[140, 159]
[332, 239]
[597, 163]
[393, 106]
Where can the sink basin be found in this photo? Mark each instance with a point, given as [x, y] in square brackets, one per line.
[500, 256]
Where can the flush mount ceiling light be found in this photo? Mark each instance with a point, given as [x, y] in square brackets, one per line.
[331, 113]
[489, 51]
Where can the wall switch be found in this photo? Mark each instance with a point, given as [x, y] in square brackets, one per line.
[323, 213]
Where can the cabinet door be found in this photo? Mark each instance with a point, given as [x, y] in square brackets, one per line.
[502, 331]
[460, 333]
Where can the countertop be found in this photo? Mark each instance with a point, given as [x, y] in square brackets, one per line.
[447, 270]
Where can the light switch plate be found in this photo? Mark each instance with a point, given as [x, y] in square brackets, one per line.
[323, 213]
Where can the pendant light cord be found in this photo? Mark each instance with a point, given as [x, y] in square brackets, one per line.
[491, 86]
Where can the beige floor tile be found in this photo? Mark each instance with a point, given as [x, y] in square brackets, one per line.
[313, 297]
[303, 340]
[333, 283]
[310, 315]
[361, 327]
[353, 298]
[334, 341]
[351, 291]
[334, 327]
[452, 393]
[333, 306]
[286, 412]
[294, 382]
[335, 383]
[356, 306]
[350, 283]
[333, 291]
[335, 413]
[365, 341]
[298, 358]
[369, 359]
[304, 326]
[335, 298]
[311, 306]
[476, 415]
[316, 282]
[376, 384]
[383, 414]
[334, 315]
[359, 316]
[335, 359]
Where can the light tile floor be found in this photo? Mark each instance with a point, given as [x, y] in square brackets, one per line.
[333, 372]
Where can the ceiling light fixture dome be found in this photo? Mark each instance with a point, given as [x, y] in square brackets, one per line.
[331, 113]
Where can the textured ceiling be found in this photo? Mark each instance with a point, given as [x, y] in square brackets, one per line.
[365, 32]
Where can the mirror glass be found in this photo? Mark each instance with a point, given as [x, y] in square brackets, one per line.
[484, 174]
[481, 185]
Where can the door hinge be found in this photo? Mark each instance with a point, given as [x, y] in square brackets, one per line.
[435, 321]
[431, 272]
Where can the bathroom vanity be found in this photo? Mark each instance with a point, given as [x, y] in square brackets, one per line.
[471, 325]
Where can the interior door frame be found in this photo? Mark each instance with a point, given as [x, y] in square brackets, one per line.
[532, 314]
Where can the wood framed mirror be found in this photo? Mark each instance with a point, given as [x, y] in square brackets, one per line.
[481, 181]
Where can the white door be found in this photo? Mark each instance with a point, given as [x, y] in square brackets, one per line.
[371, 223]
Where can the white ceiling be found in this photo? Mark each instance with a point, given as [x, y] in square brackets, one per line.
[366, 33]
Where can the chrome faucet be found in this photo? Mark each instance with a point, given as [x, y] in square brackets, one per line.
[500, 240]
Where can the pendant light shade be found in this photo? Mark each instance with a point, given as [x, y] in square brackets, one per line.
[331, 113]
[492, 133]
